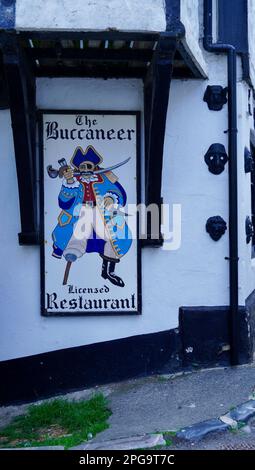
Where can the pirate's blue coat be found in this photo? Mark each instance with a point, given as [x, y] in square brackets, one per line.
[70, 201]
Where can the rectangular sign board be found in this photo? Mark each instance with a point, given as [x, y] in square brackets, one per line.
[90, 253]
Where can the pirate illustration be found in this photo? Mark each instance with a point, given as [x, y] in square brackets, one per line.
[90, 219]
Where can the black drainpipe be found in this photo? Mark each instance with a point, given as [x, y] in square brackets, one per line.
[232, 181]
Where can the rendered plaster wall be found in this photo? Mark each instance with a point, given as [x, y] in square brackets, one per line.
[246, 263]
[192, 18]
[251, 38]
[127, 15]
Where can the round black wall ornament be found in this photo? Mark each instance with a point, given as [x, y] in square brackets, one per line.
[216, 227]
[215, 96]
[248, 229]
[216, 158]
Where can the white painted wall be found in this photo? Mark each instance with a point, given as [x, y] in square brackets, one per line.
[127, 15]
[251, 38]
[246, 264]
[191, 16]
[196, 274]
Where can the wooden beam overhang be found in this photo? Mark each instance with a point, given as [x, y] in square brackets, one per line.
[113, 35]
[26, 55]
[156, 96]
[122, 55]
[21, 91]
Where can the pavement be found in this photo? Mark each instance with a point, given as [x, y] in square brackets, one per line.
[159, 404]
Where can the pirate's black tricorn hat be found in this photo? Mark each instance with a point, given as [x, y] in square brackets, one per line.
[89, 155]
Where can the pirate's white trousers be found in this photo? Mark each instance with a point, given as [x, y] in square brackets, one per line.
[89, 219]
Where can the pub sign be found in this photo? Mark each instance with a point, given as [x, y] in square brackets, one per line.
[90, 187]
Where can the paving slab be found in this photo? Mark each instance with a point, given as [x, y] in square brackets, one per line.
[136, 442]
[243, 412]
[198, 431]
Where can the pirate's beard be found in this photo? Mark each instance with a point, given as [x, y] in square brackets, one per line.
[88, 179]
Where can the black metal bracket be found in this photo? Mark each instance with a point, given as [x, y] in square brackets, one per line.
[249, 230]
[216, 227]
[21, 91]
[215, 96]
[156, 95]
[248, 161]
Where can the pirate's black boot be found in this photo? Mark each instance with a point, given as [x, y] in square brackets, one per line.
[104, 268]
[108, 268]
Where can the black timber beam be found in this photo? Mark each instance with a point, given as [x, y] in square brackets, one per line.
[156, 96]
[140, 55]
[4, 101]
[21, 91]
[173, 14]
[97, 71]
[88, 35]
